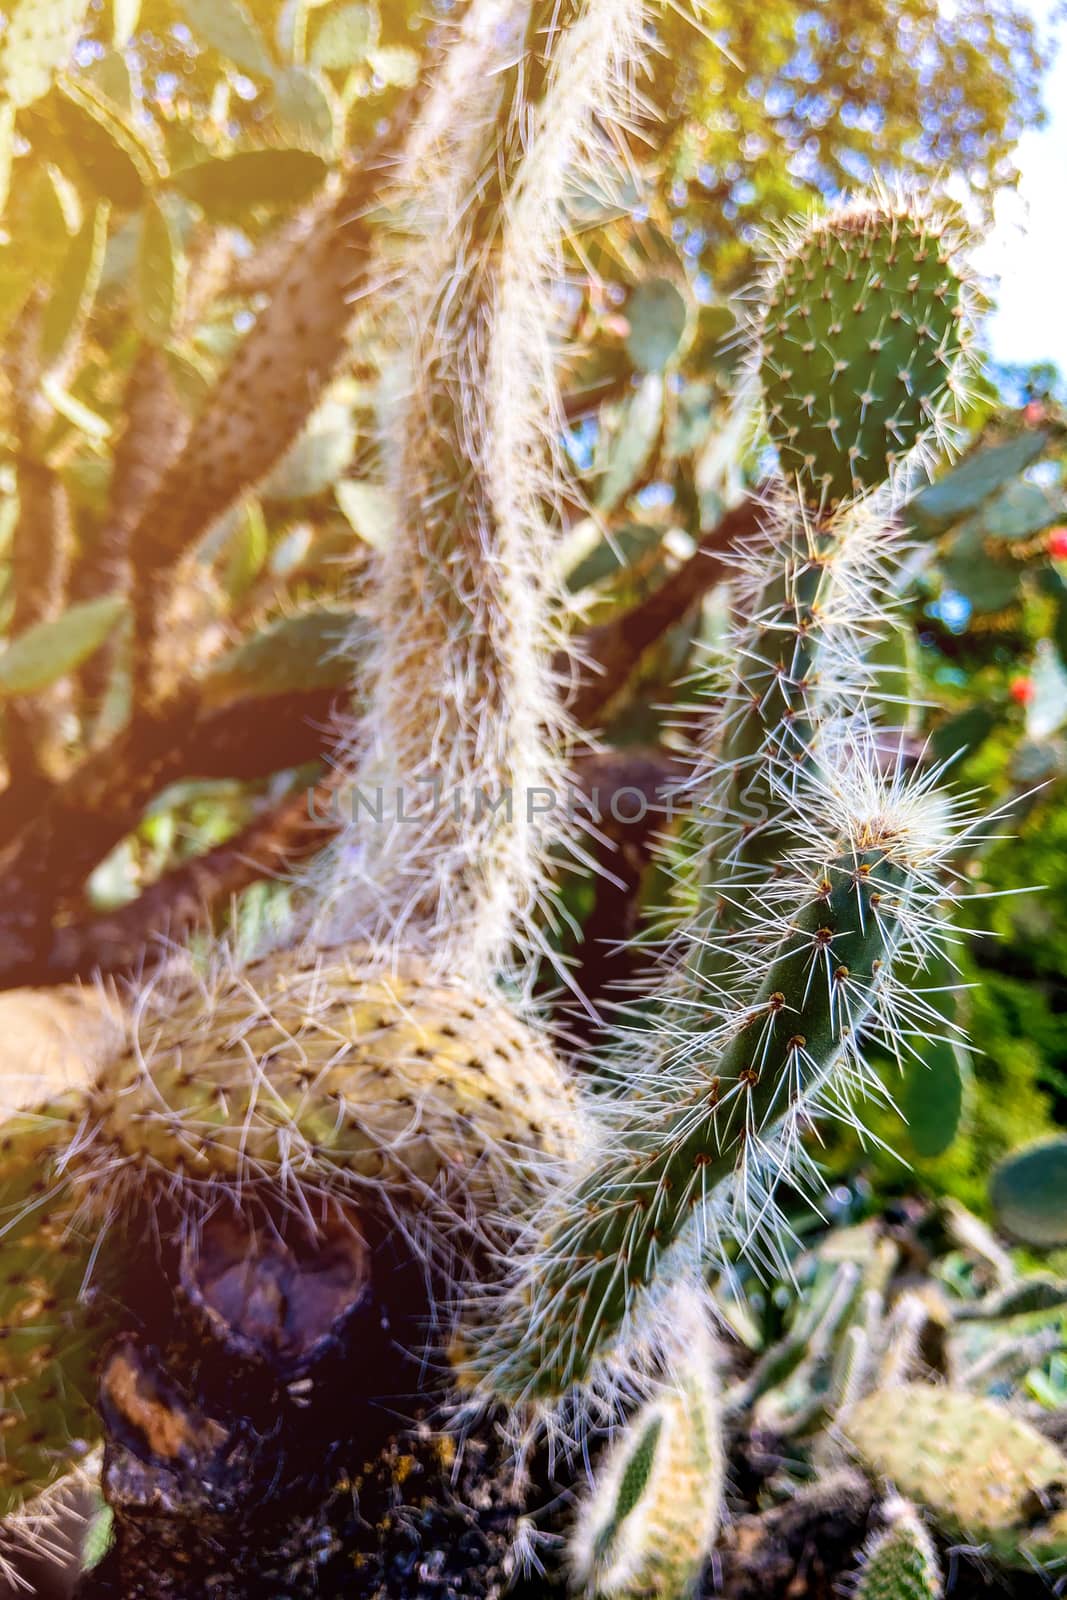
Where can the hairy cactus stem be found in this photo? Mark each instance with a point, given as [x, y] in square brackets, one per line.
[721, 1125]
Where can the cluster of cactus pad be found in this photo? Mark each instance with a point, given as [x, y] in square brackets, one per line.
[385, 1052]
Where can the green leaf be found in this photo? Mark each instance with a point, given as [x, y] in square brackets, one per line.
[305, 109]
[317, 458]
[47, 652]
[310, 651]
[966, 487]
[631, 445]
[247, 551]
[40, 37]
[125, 15]
[45, 216]
[962, 734]
[229, 28]
[160, 274]
[935, 1095]
[658, 316]
[988, 583]
[345, 37]
[626, 547]
[394, 66]
[75, 287]
[110, 77]
[368, 509]
[227, 188]
[1029, 1193]
[1020, 511]
[7, 149]
[81, 416]
[110, 157]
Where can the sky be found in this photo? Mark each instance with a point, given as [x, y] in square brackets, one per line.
[1027, 251]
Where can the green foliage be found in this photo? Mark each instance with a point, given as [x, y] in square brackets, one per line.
[45, 653]
[1028, 1194]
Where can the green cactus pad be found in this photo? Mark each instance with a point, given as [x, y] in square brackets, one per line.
[48, 1341]
[865, 324]
[983, 1473]
[902, 1563]
[1028, 1192]
[324, 1066]
[652, 1518]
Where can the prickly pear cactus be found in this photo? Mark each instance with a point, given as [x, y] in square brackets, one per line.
[865, 325]
[48, 1342]
[335, 1068]
[983, 1473]
[901, 1563]
[650, 1524]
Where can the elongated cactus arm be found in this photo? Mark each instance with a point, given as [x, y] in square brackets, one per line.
[464, 717]
[653, 1516]
[720, 1117]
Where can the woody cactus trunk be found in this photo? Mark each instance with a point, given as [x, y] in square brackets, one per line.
[338, 1254]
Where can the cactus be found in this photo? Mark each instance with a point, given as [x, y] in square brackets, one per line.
[1027, 1194]
[328, 1070]
[985, 1474]
[864, 328]
[47, 1338]
[817, 872]
[649, 1525]
[465, 714]
[901, 1563]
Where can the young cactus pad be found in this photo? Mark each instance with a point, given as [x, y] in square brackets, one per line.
[901, 1563]
[983, 1473]
[330, 1070]
[866, 320]
[651, 1521]
[47, 1345]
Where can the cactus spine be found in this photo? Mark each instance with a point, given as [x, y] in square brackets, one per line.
[901, 1563]
[983, 1473]
[649, 1525]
